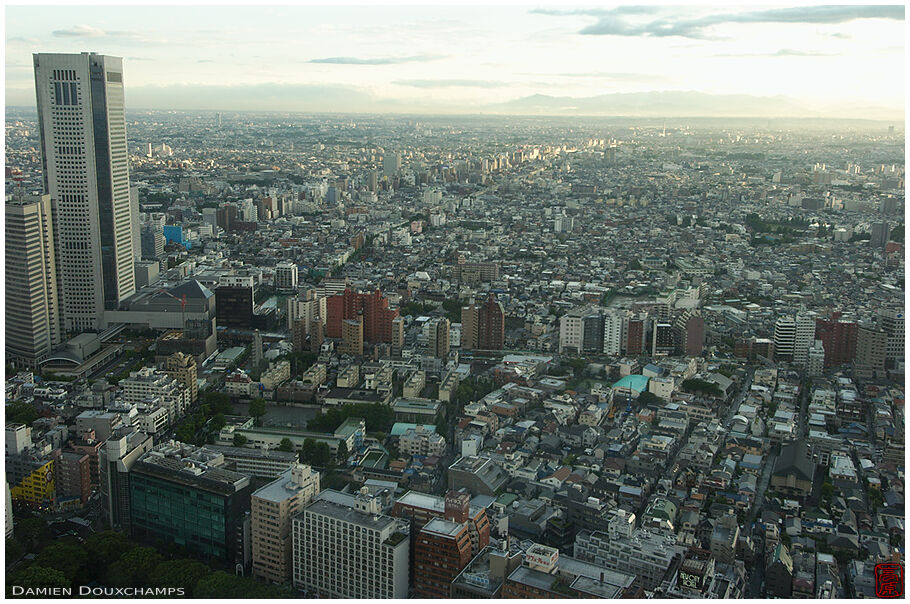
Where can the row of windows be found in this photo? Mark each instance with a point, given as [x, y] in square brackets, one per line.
[66, 93]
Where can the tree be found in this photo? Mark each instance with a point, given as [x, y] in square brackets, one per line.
[31, 531]
[217, 422]
[286, 445]
[257, 409]
[342, 451]
[179, 573]
[308, 451]
[14, 549]
[107, 547]
[322, 455]
[65, 555]
[827, 490]
[134, 568]
[239, 440]
[646, 399]
[21, 412]
[36, 576]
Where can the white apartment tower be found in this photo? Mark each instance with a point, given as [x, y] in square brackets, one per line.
[86, 173]
[32, 305]
[612, 333]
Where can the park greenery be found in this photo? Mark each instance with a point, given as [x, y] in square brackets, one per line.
[111, 559]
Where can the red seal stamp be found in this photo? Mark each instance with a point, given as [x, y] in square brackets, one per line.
[889, 580]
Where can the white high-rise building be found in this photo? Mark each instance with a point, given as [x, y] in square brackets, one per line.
[892, 321]
[150, 384]
[784, 337]
[86, 173]
[344, 547]
[286, 276]
[32, 306]
[612, 333]
[804, 337]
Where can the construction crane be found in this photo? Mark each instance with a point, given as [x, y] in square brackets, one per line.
[182, 301]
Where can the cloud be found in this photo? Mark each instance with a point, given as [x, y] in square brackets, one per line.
[614, 22]
[87, 31]
[23, 40]
[451, 83]
[783, 52]
[205, 61]
[376, 61]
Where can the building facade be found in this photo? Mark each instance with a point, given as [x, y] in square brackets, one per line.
[86, 172]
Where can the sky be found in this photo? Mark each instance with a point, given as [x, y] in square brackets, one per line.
[837, 60]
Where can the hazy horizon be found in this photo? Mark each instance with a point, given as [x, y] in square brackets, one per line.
[636, 61]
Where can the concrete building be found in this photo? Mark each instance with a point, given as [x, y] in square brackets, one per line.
[438, 341]
[479, 475]
[286, 276]
[150, 383]
[422, 440]
[86, 172]
[344, 547]
[443, 550]
[645, 554]
[352, 336]
[272, 509]
[33, 320]
[18, 438]
[182, 368]
[115, 460]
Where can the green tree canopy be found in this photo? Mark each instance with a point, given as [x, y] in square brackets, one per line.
[134, 567]
[239, 439]
[257, 409]
[31, 532]
[107, 547]
[286, 445]
[35, 576]
[179, 573]
[67, 556]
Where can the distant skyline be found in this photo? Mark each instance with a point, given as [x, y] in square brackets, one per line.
[833, 61]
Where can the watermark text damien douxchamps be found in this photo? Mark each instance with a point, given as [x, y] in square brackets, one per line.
[97, 592]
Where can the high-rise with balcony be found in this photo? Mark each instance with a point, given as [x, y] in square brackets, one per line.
[86, 173]
[272, 508]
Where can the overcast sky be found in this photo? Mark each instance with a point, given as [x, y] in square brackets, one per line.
[312, 58]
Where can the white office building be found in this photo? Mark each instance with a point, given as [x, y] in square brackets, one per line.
[86, 173]
[344, 547]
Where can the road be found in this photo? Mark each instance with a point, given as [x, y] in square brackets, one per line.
[734, 405]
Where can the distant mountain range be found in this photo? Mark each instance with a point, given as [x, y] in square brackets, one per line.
[688, 104]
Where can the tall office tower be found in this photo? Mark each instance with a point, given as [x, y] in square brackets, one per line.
[439, 337]
[443, 550]
[86, 173]
[344, 547]
[391, 164]
[838, 338]
[134, 223]
[892, 321]
[272, 508]
[784, 338]
[32, 305]
[804, 337]
[880, 232]
[695, 336]
[373, 185]
[182, 367]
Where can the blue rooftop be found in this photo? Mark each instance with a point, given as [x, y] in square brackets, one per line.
[638, 383]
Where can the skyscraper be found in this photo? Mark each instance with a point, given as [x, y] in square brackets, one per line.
[32, 312]
[86, 173]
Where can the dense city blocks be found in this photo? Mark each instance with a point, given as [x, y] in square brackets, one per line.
[274, 354]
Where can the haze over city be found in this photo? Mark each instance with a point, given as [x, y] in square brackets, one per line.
[796, 61]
